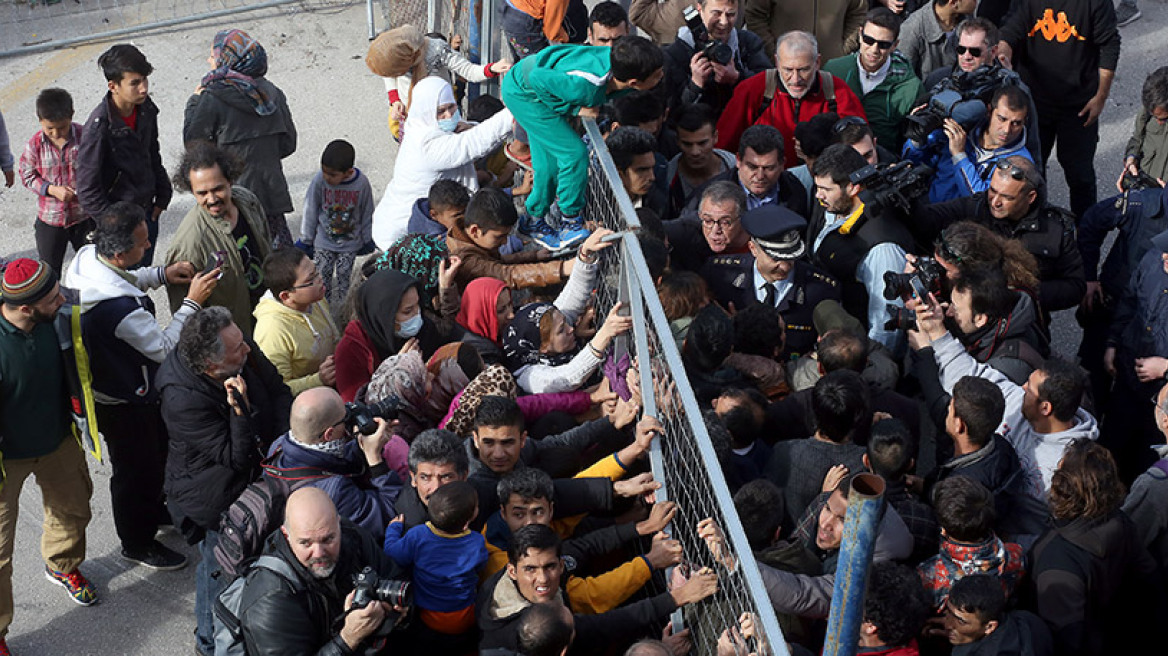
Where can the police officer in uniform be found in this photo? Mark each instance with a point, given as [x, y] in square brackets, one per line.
[774, 273]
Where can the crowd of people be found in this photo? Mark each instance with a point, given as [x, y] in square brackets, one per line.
[427, 421]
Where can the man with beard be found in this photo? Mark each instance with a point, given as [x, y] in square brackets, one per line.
[227, 226]
[279, 615]
[34, 421]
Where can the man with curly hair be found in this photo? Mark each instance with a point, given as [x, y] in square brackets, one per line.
[226, 227]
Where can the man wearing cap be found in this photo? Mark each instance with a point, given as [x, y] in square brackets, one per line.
[773, 273]
[35, 429]
[1137, 357]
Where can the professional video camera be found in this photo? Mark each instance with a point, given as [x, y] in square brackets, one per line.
[359, 416]
[962, 96]
[715, 51]
[367, 588]
[895, 185]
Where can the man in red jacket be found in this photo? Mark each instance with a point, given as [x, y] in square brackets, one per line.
[795, 93]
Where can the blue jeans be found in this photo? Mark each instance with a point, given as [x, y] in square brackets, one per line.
[207, 589]
[524, 34]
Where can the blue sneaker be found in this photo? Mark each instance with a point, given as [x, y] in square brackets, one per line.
[540, 232]
[572, 232]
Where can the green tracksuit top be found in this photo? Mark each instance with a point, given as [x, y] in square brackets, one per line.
[563, 78]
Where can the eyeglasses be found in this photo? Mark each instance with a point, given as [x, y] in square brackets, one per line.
[724, 224]
[316, 277]
[325, 432]
[847, 122]
[942, 248]
[974, 51]
[869, 41]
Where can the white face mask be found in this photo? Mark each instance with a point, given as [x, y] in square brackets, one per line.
[410, 327]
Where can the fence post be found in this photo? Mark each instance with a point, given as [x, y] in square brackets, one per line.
[865, 500]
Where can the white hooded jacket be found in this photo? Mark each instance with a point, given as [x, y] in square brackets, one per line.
[97, 281]
[429, 154]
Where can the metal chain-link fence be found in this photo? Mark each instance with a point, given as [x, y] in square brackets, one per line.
[28, 26]
[683, 459]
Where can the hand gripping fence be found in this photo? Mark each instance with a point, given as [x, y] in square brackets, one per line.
[683, 459]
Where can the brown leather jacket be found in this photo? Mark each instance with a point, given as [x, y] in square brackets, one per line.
[518, 270]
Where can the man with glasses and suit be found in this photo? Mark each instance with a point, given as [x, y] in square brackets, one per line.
[880, 76]
[1015, 206]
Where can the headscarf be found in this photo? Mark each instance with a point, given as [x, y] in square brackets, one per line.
[404, 377]
[522, 342]
[477, 313]
[377, 301]
[495, 380]
[418, 256]
[428, 95]
[451, 369]
[239, 59]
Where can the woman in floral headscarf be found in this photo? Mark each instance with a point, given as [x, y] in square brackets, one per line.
[235, 106]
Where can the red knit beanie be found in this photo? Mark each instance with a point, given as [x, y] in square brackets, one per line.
[27, 281]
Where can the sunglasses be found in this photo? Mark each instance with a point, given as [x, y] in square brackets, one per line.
[973, 51]
[846, 122]
[1013, 171]
[869, 41]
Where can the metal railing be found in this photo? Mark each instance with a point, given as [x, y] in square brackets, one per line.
[683, 459]
[31, 26]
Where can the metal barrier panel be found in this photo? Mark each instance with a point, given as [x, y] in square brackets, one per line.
[28, 26]
[683, 459]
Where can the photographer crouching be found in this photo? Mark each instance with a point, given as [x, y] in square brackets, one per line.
[282, 616]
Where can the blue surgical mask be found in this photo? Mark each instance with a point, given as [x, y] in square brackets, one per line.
[410, 327]
[450, 124]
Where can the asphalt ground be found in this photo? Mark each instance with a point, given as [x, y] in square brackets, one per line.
[316, 57]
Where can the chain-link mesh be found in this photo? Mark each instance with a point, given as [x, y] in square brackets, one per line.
[684, 459]
[28, 26]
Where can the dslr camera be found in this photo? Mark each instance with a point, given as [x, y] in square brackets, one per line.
[359, 416]
[962, 97]
[715, 51]
[927, 278]
[368, 587]
[892, 185]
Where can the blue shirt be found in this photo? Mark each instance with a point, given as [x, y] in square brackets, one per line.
[445, 566]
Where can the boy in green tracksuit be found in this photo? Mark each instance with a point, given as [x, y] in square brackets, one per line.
[543, 91]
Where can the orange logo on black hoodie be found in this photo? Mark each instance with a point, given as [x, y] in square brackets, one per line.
[1052, 30]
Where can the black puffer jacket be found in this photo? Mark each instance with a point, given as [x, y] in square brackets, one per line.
[278, 619]
[215, 453]
[225, 116]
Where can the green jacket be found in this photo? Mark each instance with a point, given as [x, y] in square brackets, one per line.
[887, 104]
[563, 78]
[200, 235]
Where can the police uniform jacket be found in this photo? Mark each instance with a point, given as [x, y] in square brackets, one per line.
[731, 280]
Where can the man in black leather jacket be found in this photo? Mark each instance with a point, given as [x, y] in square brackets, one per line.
[284, 617]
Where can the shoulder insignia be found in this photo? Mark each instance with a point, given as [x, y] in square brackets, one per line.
[824, 278]
[740, 281]
[800, 296]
